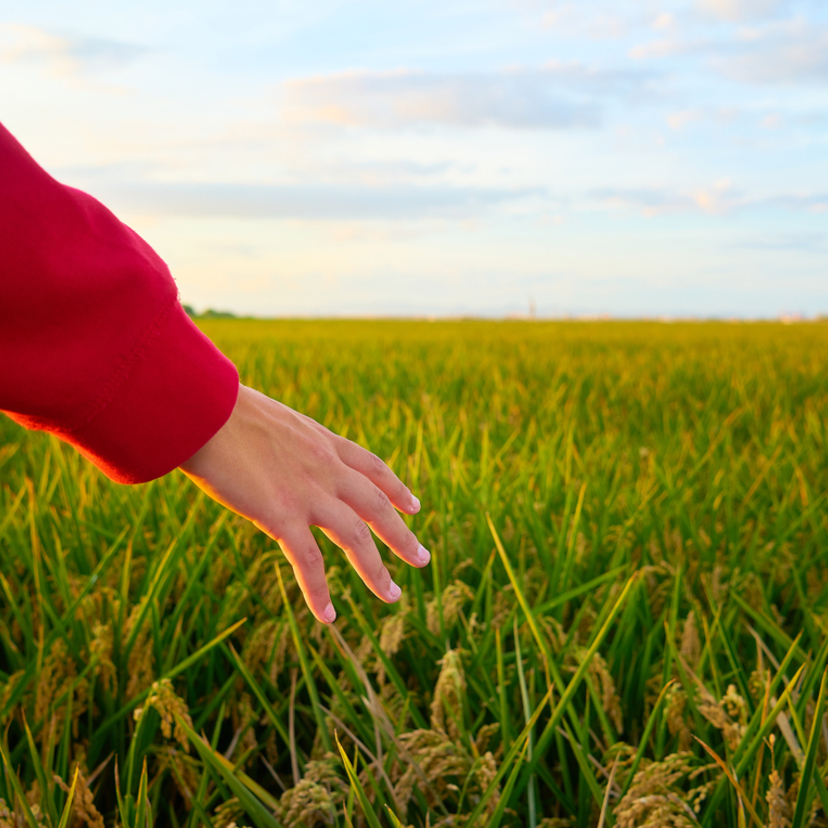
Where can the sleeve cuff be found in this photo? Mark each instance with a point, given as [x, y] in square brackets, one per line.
[176, 396]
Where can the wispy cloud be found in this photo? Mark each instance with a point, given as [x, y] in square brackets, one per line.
[809, 202]
[812, 242]
[678, 120]
[670, 46]
[741, 9]
[314, 202]
[787, 51]
[719, 198]
[578, 18]
[556, 96]
[790, 50]
[63, 54]
[656, 201]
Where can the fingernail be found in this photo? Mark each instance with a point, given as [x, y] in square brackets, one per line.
[415, 504]
[394, 592]
[423, 555]
[329, 614]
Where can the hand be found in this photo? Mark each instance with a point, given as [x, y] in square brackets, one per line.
[285, 472]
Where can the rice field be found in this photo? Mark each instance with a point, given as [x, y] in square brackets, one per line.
[624, 621]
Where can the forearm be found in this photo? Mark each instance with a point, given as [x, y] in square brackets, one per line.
[94, 345]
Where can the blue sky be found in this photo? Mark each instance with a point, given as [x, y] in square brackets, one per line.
[440, 158]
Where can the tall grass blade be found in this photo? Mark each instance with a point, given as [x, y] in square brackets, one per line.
[70, 800]
[803, 798]
[365, 803]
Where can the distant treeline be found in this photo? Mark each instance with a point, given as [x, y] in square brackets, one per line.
[209, 313]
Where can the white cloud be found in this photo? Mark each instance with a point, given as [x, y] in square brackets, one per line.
[61, 54]
[664, 20]
[677, 120]
[714, 199]
[788, 51]
[786, 242]
[741, 9]
[557, 95]
[666, 47]
[593, 20]
[717, 198]
[792, 50]
[312, 202]
[809, 202]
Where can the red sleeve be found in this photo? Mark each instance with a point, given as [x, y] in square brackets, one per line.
[94, 344]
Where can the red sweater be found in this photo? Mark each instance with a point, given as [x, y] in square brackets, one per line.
[94, 344]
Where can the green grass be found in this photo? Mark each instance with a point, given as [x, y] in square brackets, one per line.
[624, 619]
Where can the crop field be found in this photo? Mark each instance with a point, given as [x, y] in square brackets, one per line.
[624, 621]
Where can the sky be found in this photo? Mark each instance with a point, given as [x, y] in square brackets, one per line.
[444, 158]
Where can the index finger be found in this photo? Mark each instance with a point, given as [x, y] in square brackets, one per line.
[368, 464]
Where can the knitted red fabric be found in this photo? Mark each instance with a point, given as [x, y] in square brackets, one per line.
[94, 344]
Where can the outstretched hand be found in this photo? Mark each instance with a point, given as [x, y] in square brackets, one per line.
[285, 472]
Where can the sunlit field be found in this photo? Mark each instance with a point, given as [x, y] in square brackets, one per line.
[624, 621]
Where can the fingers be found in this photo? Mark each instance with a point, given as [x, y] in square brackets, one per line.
[378, 473]
[301, 549]
[375, 508]
[352, 535]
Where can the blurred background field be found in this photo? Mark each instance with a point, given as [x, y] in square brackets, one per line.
[623, 623]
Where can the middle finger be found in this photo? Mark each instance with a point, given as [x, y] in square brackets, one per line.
[351, 534]
[376, 509]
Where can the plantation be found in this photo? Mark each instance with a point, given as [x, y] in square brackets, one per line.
[624, 621]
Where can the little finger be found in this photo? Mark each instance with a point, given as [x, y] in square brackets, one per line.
[301, 549]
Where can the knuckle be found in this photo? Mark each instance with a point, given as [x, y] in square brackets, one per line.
[312, 558]
[381, 501]
[319, 593]
[286, 504]
[323, 453]
[362, 533]
[376, 462]
[382, 577]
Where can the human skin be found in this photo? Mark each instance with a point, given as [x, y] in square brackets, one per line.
[285, 472]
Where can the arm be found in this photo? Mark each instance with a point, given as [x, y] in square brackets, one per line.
[94, 345]
[96, 349]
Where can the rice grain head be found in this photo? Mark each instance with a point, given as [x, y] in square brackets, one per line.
[449, 694]
[453, 598]
[484, 776]
[438, 759]
[779, 812]
[141, 657]
[654, 799]
[6, 694]
[167, 704]
[315, 799]
[690, 647]
[227, 812]
[83, 807]
[100, 648]
[676, 721]
[391, 638]
[259, 646]
[8, 818]
[609, 697]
